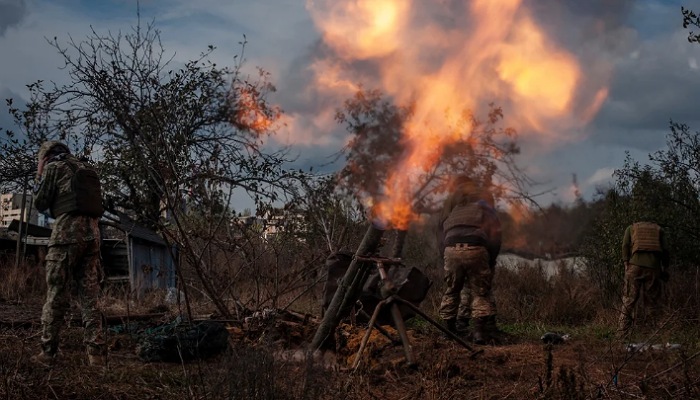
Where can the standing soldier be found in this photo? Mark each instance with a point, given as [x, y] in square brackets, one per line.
[645, 255]
[470, 238]
[70, 192]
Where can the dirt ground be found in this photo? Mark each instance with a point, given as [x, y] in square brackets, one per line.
[266, 362]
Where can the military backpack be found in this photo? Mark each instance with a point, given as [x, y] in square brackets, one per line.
[465, 215]
[85, 196]
[646, 237]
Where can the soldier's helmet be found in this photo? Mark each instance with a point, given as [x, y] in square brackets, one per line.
[50, 145]
[465, 185]
[473, 190]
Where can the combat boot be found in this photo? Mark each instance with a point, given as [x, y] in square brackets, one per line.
[494, 334]
[451, 325]
[97, 360]
[462, 325]
[491, 326]
[97, 356]
[44, 359]
[480, 335]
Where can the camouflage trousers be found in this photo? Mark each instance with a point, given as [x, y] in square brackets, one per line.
[468, 278]
[642, 285]
[77, 264]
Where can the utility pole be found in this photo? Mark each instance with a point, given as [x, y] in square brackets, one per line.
[27, 221]
[20, 229]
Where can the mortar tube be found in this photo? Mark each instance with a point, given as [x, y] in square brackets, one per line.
[348, 285]
[399, 241]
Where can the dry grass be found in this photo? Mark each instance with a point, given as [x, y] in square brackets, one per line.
[584, 368]
[592, 365]
[24, 281]
[528, 295]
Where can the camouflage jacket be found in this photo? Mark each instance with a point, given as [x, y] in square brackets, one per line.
[67, 229]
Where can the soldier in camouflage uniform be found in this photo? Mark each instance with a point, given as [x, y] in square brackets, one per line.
[645, 255]
[470, 240]
[73, 256]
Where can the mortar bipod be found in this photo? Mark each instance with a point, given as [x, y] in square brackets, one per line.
[392, 299]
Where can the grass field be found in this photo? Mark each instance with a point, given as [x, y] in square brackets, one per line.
[266, 361]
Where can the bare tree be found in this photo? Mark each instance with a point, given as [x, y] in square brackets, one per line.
[487, 152]
[165, 137]
[331, 215]
[154, 129]
[691, 19]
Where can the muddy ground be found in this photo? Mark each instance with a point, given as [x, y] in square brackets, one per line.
[265, 361]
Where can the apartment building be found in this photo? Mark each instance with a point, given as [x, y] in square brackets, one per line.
[273, 223]
[11, 208]
[278, 221]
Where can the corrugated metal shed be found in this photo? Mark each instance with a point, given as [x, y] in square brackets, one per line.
[151, 266]
[141, 257]
[151, 263]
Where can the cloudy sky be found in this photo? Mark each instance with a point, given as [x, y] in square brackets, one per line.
[636, 50]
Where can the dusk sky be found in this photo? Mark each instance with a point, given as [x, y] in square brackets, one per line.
[635, 53]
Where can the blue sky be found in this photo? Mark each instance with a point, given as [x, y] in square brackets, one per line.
[656, 72]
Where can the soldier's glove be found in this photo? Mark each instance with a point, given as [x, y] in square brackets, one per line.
[664, 276]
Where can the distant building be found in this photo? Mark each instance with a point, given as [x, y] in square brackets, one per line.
[279, 221]
[11, 209]
[273, 223]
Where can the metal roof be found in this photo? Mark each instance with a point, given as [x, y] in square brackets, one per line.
[124, 223]
[131, 228]
[31, 229]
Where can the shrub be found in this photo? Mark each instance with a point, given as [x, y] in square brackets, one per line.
[526, 294]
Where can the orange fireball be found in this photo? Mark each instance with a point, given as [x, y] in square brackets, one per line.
[493, 52]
